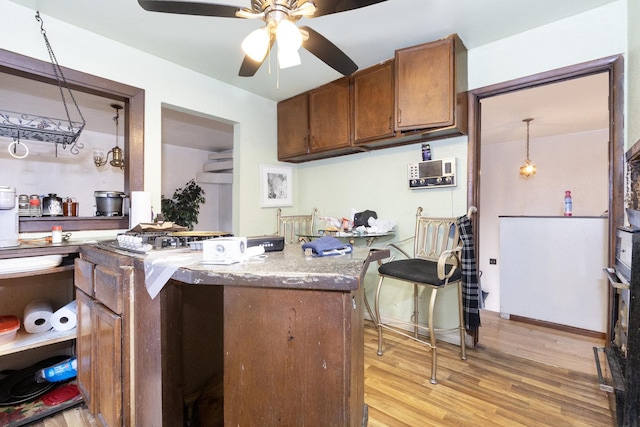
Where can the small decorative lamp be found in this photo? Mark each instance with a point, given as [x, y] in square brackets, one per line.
[117, 158]
[528, 169]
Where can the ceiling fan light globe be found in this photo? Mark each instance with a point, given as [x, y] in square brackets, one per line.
[256, 44]
[288, 35]
[305, 9]
[288, 58]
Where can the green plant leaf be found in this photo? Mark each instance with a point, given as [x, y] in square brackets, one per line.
[184, 206]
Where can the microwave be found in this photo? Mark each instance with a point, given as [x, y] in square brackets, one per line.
[432, 173]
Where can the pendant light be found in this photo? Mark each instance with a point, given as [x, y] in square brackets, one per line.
[528, 169]
[117, 158]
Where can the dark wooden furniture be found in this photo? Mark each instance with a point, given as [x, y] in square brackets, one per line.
[286, 335]
[373, 103]
[316, 124]
[17, 289]
[329, 118]
[430, 87]
[417, 96]
[103, 282]
[293, 127]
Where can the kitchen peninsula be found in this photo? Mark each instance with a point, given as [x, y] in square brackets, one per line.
[279, 338]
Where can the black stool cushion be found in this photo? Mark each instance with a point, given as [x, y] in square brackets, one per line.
[417, 271]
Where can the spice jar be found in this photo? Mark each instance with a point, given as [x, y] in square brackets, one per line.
[69, 207]
[34, 205]
[56, 234]
[23, 202]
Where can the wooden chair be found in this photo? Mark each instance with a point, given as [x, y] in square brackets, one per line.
[292, 227]
[435, 264]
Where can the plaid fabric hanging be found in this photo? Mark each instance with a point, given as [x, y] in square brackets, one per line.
[470, 284]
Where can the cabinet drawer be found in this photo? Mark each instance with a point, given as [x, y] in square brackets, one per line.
[109, 289]
[84, 276]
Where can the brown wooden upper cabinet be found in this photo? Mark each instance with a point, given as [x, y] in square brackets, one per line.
[429, 79]
[315, 124]
[293, 127]
[373, 106]
[329, 116]
[418, 95]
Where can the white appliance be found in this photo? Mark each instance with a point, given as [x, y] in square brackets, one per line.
[8, 217]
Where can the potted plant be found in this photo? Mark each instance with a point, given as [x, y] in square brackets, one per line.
[183, 208]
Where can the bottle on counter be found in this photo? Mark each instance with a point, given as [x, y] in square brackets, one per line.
[56, 234]
[568, 204]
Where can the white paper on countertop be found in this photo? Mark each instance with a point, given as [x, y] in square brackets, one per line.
[160, 266]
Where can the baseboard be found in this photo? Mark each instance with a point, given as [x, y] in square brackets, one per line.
[557, 326]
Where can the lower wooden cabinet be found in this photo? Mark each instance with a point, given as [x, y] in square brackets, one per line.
[85, 348]
[102, 279]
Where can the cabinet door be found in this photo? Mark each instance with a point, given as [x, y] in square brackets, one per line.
[107, 331]
[373, 103]
[425, 86]
[329, 123]
[293, 127]
[304, 357]
[84, 343]
[83, 276]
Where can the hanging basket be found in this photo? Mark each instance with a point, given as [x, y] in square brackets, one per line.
[20, 126]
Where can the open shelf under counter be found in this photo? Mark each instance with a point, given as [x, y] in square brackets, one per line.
[26, 341]
[59, 269]
[30, 224]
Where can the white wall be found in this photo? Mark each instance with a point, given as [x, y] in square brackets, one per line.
[179, 165]
[377, 180]
[163, 82]
[575, 162]
[41, 172]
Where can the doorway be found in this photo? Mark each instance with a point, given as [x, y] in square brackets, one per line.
[200, 147]
[613, 68]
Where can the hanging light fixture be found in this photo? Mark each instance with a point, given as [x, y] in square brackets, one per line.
[280, 25]
[528, 169]
[117, 158]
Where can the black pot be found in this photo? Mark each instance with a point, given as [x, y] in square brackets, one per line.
[109, 203]
[51, 205]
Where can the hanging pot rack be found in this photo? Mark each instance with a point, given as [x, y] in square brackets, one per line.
[31, 127]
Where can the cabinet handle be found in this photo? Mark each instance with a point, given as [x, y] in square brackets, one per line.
[390, 123]
[399, 116]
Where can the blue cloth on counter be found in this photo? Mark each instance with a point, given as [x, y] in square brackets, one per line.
[327, 246]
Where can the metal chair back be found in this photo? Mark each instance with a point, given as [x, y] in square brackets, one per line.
[291, 227]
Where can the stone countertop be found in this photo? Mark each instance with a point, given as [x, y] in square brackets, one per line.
[283, 269]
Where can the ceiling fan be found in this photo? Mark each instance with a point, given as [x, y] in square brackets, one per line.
[280, 17]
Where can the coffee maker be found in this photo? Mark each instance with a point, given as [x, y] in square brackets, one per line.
[8, 217]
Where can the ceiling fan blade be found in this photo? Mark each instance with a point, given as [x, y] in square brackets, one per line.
[327, 7]
[329, 53]
[250, 66]
[190, 8]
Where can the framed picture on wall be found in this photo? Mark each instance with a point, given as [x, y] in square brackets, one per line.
[276, 185]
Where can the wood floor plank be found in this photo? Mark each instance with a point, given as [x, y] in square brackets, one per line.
[519, 375]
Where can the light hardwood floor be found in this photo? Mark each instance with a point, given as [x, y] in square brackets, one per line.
[518, 375]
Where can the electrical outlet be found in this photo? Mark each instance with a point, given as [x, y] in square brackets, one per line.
[493, 261]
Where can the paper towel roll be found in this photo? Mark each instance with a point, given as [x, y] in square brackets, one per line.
[65, 318]
[140, 210]
[37, 316]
